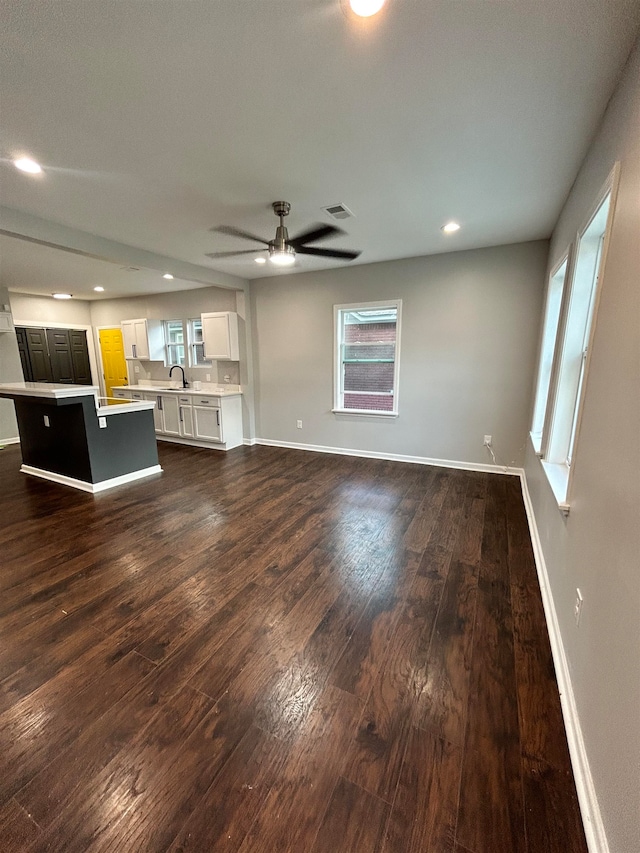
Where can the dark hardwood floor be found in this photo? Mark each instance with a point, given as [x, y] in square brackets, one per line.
[272, 650]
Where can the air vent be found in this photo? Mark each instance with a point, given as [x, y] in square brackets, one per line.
[338, 211]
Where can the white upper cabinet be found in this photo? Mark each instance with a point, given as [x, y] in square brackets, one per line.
[143, 339]
[220, 336]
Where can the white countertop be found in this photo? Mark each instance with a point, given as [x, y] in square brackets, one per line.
[207, 390]
[48, 390]
[54, 391]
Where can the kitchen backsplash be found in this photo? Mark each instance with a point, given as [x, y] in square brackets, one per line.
[155, 371]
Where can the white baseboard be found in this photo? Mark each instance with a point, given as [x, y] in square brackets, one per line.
[589, 807]
[393, 457]
[249, 442]
[5, 441]
[93, 488]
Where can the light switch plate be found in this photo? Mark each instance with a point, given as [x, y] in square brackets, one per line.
[102, 423]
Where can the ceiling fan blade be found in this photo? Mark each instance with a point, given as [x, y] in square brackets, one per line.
[237, 232]
[232, 254]
[316, 232]
[345, 254]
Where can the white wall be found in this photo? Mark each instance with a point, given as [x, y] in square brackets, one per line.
[10, 371]
[597, 548]
[469, 335]
[49, 311]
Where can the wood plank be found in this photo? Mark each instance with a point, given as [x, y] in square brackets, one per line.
[354, 821]
[293, 810]
[17, 829]
[33, 733]
[442, 704]
[491, 817]
[425, 809]
[225, 813]
[110, 798]
[552, 811]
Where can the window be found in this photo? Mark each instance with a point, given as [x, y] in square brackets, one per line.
[196, 344]
[174, 337]
[562, 378]
[367, 357]
[547, 350]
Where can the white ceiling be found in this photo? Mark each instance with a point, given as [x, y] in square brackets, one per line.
[157, 119]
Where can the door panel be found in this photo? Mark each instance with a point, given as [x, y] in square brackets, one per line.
[23, 349]
[60, 354]
[114, 365]
[80, 357]
[39, 355]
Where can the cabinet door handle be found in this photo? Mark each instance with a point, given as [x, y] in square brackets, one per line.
[180, 407]
[134, 351]
[218, 416]
[159, 403]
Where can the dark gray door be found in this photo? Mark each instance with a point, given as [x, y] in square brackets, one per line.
[60, 353]
[39, 355]
[23, 349]
[80, 357]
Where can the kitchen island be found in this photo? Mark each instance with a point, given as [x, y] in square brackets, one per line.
[71, 436]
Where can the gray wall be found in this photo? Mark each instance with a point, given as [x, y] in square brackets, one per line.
[597, 548]
[10, 371]
[469, 336]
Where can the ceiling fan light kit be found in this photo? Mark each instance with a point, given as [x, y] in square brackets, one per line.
[282, 250]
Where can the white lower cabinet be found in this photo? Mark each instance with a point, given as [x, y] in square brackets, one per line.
[186, 417]
[199, 419]
[207, 423]
[158, 421]
[170, 414]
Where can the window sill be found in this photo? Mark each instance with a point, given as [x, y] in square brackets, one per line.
[371, 414]
[558, 477]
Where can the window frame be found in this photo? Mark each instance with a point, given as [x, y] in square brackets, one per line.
[192, 344]
[538, 437]
[338, 390]
[559, 473]
[168, 344]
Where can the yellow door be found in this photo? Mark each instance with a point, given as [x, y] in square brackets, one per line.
[113, 361]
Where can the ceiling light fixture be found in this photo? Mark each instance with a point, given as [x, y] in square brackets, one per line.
[366, 8]
[168, 276]
[450, 227]
[62, 295]
[260, 260]
[283, 257]
[26, 164]
[99, 289]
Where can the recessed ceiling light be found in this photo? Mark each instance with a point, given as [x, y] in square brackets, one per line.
[26, 164]
[260, 260]
[366, 8]
[450, 227]
[61, 295]
[99, 289]
[168, 276]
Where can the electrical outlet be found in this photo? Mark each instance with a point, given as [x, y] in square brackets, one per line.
[102, 423]
[227, 378]
[208, 377]
[136, 369]
[487, 441]
[577, 608]
[299, 424]
[46, 421]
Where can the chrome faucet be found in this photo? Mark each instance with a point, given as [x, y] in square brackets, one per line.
[180, 367]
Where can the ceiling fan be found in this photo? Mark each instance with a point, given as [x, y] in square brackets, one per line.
[282, 250]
